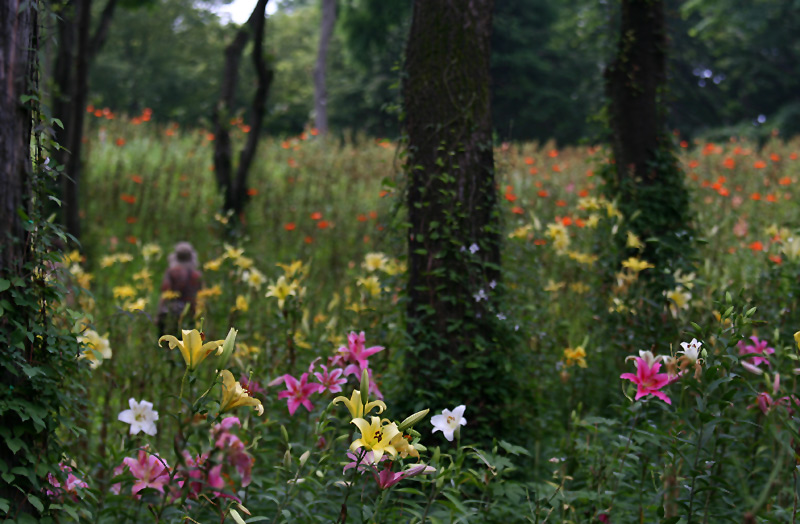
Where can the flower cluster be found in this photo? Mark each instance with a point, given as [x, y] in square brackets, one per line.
[350, 360]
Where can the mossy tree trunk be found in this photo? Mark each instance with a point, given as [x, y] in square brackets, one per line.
[17, 48]
[634, 83]
[645, 175]
[453, 238]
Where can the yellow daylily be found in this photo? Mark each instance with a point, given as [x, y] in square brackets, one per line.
[241, 304]
[151, 251]
[213, 265]
[376, 437]
[124, 292]
[553, 286]
[97, 347]
[244, 262]
[633, 241]
[575, 356]
[140, 304]
[797, 339]
[292, 269]
[254, 278]
[370, 284]
[637, 264]
[282, 290]
[375, 261]
[522, 232]
[170, 295]
[356, 406]
[232, 252]
[234, 395]
[192, 348]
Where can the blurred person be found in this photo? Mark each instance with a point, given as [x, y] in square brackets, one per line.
[179, 288]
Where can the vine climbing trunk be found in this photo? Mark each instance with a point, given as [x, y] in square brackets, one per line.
[233, 184]
[645, 176]
[453, 238]
[17, 28]
[18, 44]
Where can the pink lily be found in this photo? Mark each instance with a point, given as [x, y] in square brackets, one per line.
[234, 449]
[759, 347]
[355, 352]
[150, 471]
[331, 381]
[647, 378]
[298, 391]
[250, 385]
[387, 478]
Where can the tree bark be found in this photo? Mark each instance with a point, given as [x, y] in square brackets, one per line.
[634, 82]
[72, 80]
[320, 89]
[18, 45]
[234, 187]
[16, 35]
[453, 238]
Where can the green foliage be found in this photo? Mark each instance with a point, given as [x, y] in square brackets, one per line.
[41, 375]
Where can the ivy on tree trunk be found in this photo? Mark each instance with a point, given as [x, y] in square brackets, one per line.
[453, 238]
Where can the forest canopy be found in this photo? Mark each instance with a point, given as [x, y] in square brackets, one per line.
[729, 71]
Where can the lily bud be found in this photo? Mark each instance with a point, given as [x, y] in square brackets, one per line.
[413, 419]
[365, 387]
[227, 348]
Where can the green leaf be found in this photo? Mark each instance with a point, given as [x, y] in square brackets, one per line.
[14, 444]
[4, 284]
[35, 502]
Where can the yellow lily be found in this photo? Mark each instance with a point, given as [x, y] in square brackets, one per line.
[192, 348]
[375, 261]
[282, 290]
[356, 406]
[290, 270]
[376, 437]
[575, 356]
[234, 395]
[403, 446]
[636, 265]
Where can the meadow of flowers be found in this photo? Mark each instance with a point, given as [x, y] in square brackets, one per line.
[273, 399]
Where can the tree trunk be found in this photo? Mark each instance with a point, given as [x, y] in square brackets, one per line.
[16, 34]
[234, 188]
[645, 177]
[18, 45]
[453, 238]
[320, 91]
[634, 84]
[72, 89]
[74, 126]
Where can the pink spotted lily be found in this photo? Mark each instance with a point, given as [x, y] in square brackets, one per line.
[356, 353]
[150, 471]
[758, 348]
[297, 391]
[331, 381]
[647, 378]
